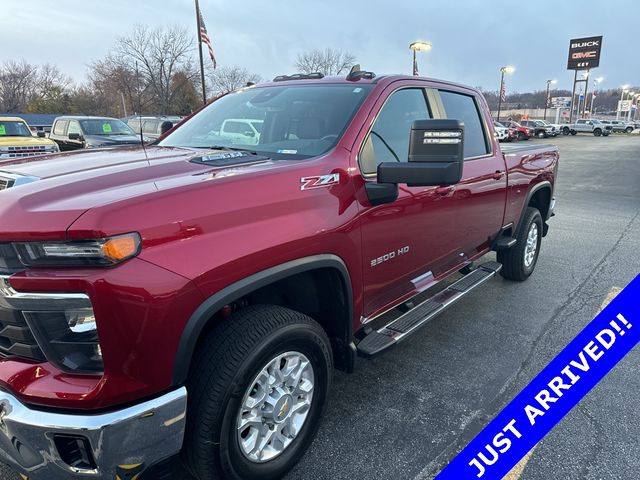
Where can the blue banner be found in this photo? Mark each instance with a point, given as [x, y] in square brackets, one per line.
[551, 394]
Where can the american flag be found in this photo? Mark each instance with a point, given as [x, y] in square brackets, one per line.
[204, 37]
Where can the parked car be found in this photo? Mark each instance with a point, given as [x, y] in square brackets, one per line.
[502, 132]
[196, 299]
[75, 132]
[596, 127]
[524, 133]
[152, 126]
[541, 128]
[619, 125]
[18, 141]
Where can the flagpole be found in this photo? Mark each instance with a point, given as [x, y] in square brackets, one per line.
[204, 89]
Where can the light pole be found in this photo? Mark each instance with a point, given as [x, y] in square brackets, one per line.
[625, 89]
[546, 99]
[418, 47]
[503, 70]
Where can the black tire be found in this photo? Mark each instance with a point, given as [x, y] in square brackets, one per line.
[521, 136]
[597, 132]
[573, 132]
[228, 358]
[628, 129]
[513, 259]
[566, 131]
[541, 134]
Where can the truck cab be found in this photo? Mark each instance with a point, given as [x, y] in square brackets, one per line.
[78, 132]
[191, 299]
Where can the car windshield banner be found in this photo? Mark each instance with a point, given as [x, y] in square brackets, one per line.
[553, 392]
[584, 53]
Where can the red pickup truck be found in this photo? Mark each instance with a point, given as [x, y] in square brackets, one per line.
[192, 298]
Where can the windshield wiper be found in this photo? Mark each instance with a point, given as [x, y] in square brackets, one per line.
[229, 149]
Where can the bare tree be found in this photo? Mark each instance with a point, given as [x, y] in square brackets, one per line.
[158, 54]
[327, 61]
[227, 79]
[18, 84]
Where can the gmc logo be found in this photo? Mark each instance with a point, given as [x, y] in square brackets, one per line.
[593, 43]
[579, 55]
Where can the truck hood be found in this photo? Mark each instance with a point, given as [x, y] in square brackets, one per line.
[112, 140]
[47, 194]
[24, 141]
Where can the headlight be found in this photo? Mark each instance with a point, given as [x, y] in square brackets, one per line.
[99, 252]
[69, 339]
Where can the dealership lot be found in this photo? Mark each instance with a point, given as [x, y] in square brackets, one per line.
[405, 414]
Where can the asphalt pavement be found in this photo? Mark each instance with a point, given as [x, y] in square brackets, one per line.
[405, 414]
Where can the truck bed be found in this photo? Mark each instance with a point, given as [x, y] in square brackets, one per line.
[518, 149]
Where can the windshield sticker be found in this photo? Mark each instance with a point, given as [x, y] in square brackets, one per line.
[3, 130]
[357, 90]
[106, 128]
[289, 152]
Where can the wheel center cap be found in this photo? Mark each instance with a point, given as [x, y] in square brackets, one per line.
[283, 408]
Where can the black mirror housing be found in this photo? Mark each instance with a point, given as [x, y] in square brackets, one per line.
[41, 134]
[75, 136]
[436, 155]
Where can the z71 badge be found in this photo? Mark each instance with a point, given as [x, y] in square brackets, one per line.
[318, 181]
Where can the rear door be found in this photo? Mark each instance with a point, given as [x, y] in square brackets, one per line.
[479, 198]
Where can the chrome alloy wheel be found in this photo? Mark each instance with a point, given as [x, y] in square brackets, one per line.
[275, 407]
[532, 245]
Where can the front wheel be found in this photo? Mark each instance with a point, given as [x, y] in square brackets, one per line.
[597, 132]
[521, 136]
[520, 260]
[541, 134]
[566, 131]
[628, 129]
[257, 389]
[573, 132]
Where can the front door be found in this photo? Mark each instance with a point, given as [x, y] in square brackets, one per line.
[407, 242]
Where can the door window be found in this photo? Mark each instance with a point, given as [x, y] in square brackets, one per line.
[388, 140]
[464, 108]
[60, 127]
[74, 127]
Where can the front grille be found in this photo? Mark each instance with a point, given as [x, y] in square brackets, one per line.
[26, 151]
[4, 183]
[16, 338]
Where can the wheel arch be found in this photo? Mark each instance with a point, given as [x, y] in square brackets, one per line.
[339, 329]
[539, 197]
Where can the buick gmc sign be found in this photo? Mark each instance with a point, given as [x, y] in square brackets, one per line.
[584, 53]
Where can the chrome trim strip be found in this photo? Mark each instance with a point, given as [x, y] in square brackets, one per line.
[145, 433]
[14, 300]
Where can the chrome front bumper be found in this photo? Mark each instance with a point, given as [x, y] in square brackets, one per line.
[137, 436]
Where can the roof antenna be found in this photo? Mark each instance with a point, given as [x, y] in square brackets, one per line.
[144, 149]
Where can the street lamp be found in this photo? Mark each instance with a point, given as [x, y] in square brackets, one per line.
[418, 47]
[546, 101]
[503, 70]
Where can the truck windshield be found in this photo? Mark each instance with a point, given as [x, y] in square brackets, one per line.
[286, 121]
[105, 126]
[14, 129]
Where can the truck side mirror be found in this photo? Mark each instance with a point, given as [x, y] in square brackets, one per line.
[436, 155]
[41, 134]
[75, 136]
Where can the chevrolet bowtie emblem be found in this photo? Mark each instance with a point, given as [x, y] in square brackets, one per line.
[284, 409]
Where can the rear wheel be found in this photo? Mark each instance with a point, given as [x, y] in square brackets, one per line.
[573, 132]
[566, 131]
[520, 260]
[257, 389]
[521, 136]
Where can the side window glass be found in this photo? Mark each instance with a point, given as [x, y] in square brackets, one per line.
[60, 127]
[388, 140]
[462, 107]
[74, 127]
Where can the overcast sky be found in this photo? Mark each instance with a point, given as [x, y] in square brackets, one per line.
[471, 39]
